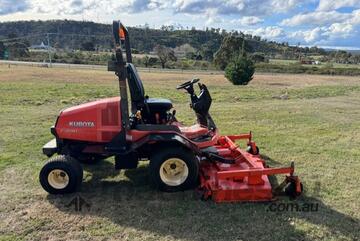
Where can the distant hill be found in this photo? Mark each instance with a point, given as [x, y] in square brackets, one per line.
[354, 52]
[71, 34]
[68, 34]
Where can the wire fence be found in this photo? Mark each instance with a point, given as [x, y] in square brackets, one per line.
[10, 63]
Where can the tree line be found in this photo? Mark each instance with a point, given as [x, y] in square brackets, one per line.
[214, 46]
[68, 34]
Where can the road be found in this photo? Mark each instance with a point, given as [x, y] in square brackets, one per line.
[102, 67]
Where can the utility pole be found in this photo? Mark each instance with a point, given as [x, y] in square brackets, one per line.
[49, 50]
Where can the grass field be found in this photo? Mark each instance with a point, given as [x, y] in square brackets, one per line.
[318, 127]
[336, 65]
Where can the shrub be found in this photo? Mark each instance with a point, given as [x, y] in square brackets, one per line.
[240, 70]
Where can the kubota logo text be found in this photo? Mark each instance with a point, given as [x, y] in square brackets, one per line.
[81, 124]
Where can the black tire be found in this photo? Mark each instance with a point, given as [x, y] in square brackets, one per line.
[69, 166]
[250, 150]
[164, 154]
[290, 190]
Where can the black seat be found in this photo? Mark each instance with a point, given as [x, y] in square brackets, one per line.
[136, 87]
[159, 104]
[137, 93]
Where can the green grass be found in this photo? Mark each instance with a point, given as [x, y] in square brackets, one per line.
[283, 61]
[289, 62]
[347, 65]
[296, 68]
[317, 127]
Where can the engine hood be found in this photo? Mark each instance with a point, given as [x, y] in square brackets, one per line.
[96, 121]
[88, 105]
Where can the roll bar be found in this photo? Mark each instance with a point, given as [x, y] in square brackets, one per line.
[119, 66]
[121, 37]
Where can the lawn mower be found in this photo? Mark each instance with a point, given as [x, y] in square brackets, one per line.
[181, 157]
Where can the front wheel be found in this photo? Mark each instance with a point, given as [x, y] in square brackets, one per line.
[60, 175]
[174, 169]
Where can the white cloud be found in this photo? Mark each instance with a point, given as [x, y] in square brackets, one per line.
[13, 6]
[355, 17]
[135, 6]
[246, 21]
[316, 18]
[285, 5]
[64, 7]
[211, 12]
[340, 29]
[244, 7]
[252, 12]
[326, 5]
[270, 32]
[327, 25]
[74, 7]
[333, 32]
[309, 36]
[331, 26]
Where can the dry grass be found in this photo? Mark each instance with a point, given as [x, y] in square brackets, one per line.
[318, 127]
[22, 73]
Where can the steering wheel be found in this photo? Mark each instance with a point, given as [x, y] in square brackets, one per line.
[187, 84]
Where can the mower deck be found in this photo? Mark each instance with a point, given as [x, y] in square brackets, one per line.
[246, 179]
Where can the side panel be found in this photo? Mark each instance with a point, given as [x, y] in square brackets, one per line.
[97, 121]
[164, 137]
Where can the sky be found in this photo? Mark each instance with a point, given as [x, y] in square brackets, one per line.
[323, 23]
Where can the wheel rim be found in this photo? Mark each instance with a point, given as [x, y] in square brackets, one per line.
[58, 179]
[173, 172]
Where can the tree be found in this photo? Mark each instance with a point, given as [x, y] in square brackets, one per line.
[146, 61]
[2, 50]
[17, 47]
[258, 57]
[241, 69]
[207, 54]
[165, 54]
[230, 48]
[355, 59]
[149, 61]
[70, 36]
[88, 46]
[208, 49]
[186, 50]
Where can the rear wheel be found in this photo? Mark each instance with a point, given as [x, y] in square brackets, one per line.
[251, 150]
[61, 174]
[174, 169]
